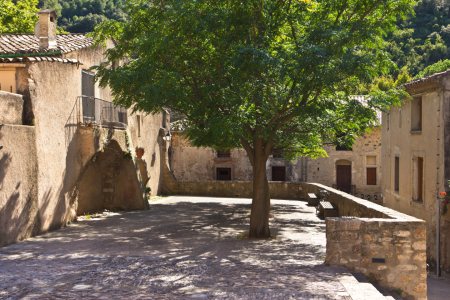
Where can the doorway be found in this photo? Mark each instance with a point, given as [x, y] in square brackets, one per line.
[344, 176]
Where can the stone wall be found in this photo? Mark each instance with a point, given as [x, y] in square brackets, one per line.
[386, 246]
[390, 252]
[11, 108]
[18, 184]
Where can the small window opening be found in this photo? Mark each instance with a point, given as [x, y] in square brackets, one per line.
[397, 174]
[223, 153]
[278, 173]
[418, 178]
[416, 114]
[223, 174]
[139, 125]
[51, 19]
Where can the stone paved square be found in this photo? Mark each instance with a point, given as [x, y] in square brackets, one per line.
[183, 248]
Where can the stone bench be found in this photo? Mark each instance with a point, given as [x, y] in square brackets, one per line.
[313, 199]
[327, 209]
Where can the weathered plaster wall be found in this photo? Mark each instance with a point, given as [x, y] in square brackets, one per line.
[64, 150]
[151, 139]
[323, 169]
[11, 108]
[399, 141]
[18, 184]
[191, 163]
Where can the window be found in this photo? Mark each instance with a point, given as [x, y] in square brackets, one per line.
[416, 114]
[371, 160]
[278, 173]
[88, 93]
[139, 124]
[223, 173]
[418, 178]
[397, 174]
[371, 176]
[343, 148]
[223, 153]
[8, 80]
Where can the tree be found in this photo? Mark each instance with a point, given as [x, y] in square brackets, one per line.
[272, 77]
[18, 16]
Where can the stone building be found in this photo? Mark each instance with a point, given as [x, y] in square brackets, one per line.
[65, 149]
[416, 161]
[356, 170]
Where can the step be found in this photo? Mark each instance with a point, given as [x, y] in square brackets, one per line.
[359, 288]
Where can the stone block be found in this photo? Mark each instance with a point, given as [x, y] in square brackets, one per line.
[367, 238]
[402, 233]
[405, 278]
[357, 249]
[343, 236]
[420, 257]
[420, 234]
[407, 267]
[381, 268]
[421, 245]
[391, 278]
[350, 225]
[361, 270]
[343, 261]
[420, 287]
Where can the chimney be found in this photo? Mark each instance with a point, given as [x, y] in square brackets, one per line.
[47, 29]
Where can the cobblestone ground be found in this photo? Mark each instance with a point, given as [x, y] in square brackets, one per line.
[183, 248]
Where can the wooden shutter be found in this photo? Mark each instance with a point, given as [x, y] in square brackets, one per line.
[397, 174]
[371, 176]
[419, 178]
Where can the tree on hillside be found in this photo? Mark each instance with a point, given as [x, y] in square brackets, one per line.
[272, 77]
[18, 16]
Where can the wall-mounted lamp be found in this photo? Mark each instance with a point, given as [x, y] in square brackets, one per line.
[168, 137]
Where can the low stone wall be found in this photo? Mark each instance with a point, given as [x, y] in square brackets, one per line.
[386, 246]
[11, 108]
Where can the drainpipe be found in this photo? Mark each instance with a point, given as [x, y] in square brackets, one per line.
[12, 65]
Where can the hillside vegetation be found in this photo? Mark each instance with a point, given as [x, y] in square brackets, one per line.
[421, 40]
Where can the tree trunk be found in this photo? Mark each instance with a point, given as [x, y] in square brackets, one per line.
[259, 218]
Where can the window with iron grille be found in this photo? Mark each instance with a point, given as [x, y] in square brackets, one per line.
[223, 153]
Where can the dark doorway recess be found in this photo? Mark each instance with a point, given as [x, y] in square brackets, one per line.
[223, 173]
[278, 173]
[344, 178]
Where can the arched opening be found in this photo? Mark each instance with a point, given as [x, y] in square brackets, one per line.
[109, 181]
[344, 175]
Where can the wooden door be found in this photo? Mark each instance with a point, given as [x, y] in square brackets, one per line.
[278, 173]
[344, 178]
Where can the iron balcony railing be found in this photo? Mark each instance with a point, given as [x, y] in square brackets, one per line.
[95, 112]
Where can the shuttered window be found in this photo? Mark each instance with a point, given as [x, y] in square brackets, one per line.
[371, 176]
[397, 174]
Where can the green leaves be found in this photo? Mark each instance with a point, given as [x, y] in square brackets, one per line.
[239, 71]
[18, 16]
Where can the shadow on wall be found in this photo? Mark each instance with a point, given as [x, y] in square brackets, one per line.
[109, 181]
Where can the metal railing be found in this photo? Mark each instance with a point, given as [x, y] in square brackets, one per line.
[95, 112]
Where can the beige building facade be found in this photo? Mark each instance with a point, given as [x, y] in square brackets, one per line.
[64, 154]
[356, 171]
[416, 161]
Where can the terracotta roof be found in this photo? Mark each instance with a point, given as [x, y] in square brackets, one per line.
[28, 43]
[423, 79]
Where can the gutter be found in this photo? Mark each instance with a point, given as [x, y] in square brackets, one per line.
[12, 65]
[30, 54]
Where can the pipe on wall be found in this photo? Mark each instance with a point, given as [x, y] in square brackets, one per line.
[12, 65]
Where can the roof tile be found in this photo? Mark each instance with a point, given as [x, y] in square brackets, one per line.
[28, 43]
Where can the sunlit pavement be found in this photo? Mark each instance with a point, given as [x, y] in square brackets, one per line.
[183, 247]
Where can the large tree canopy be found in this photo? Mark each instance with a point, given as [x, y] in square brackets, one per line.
[269, 76]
